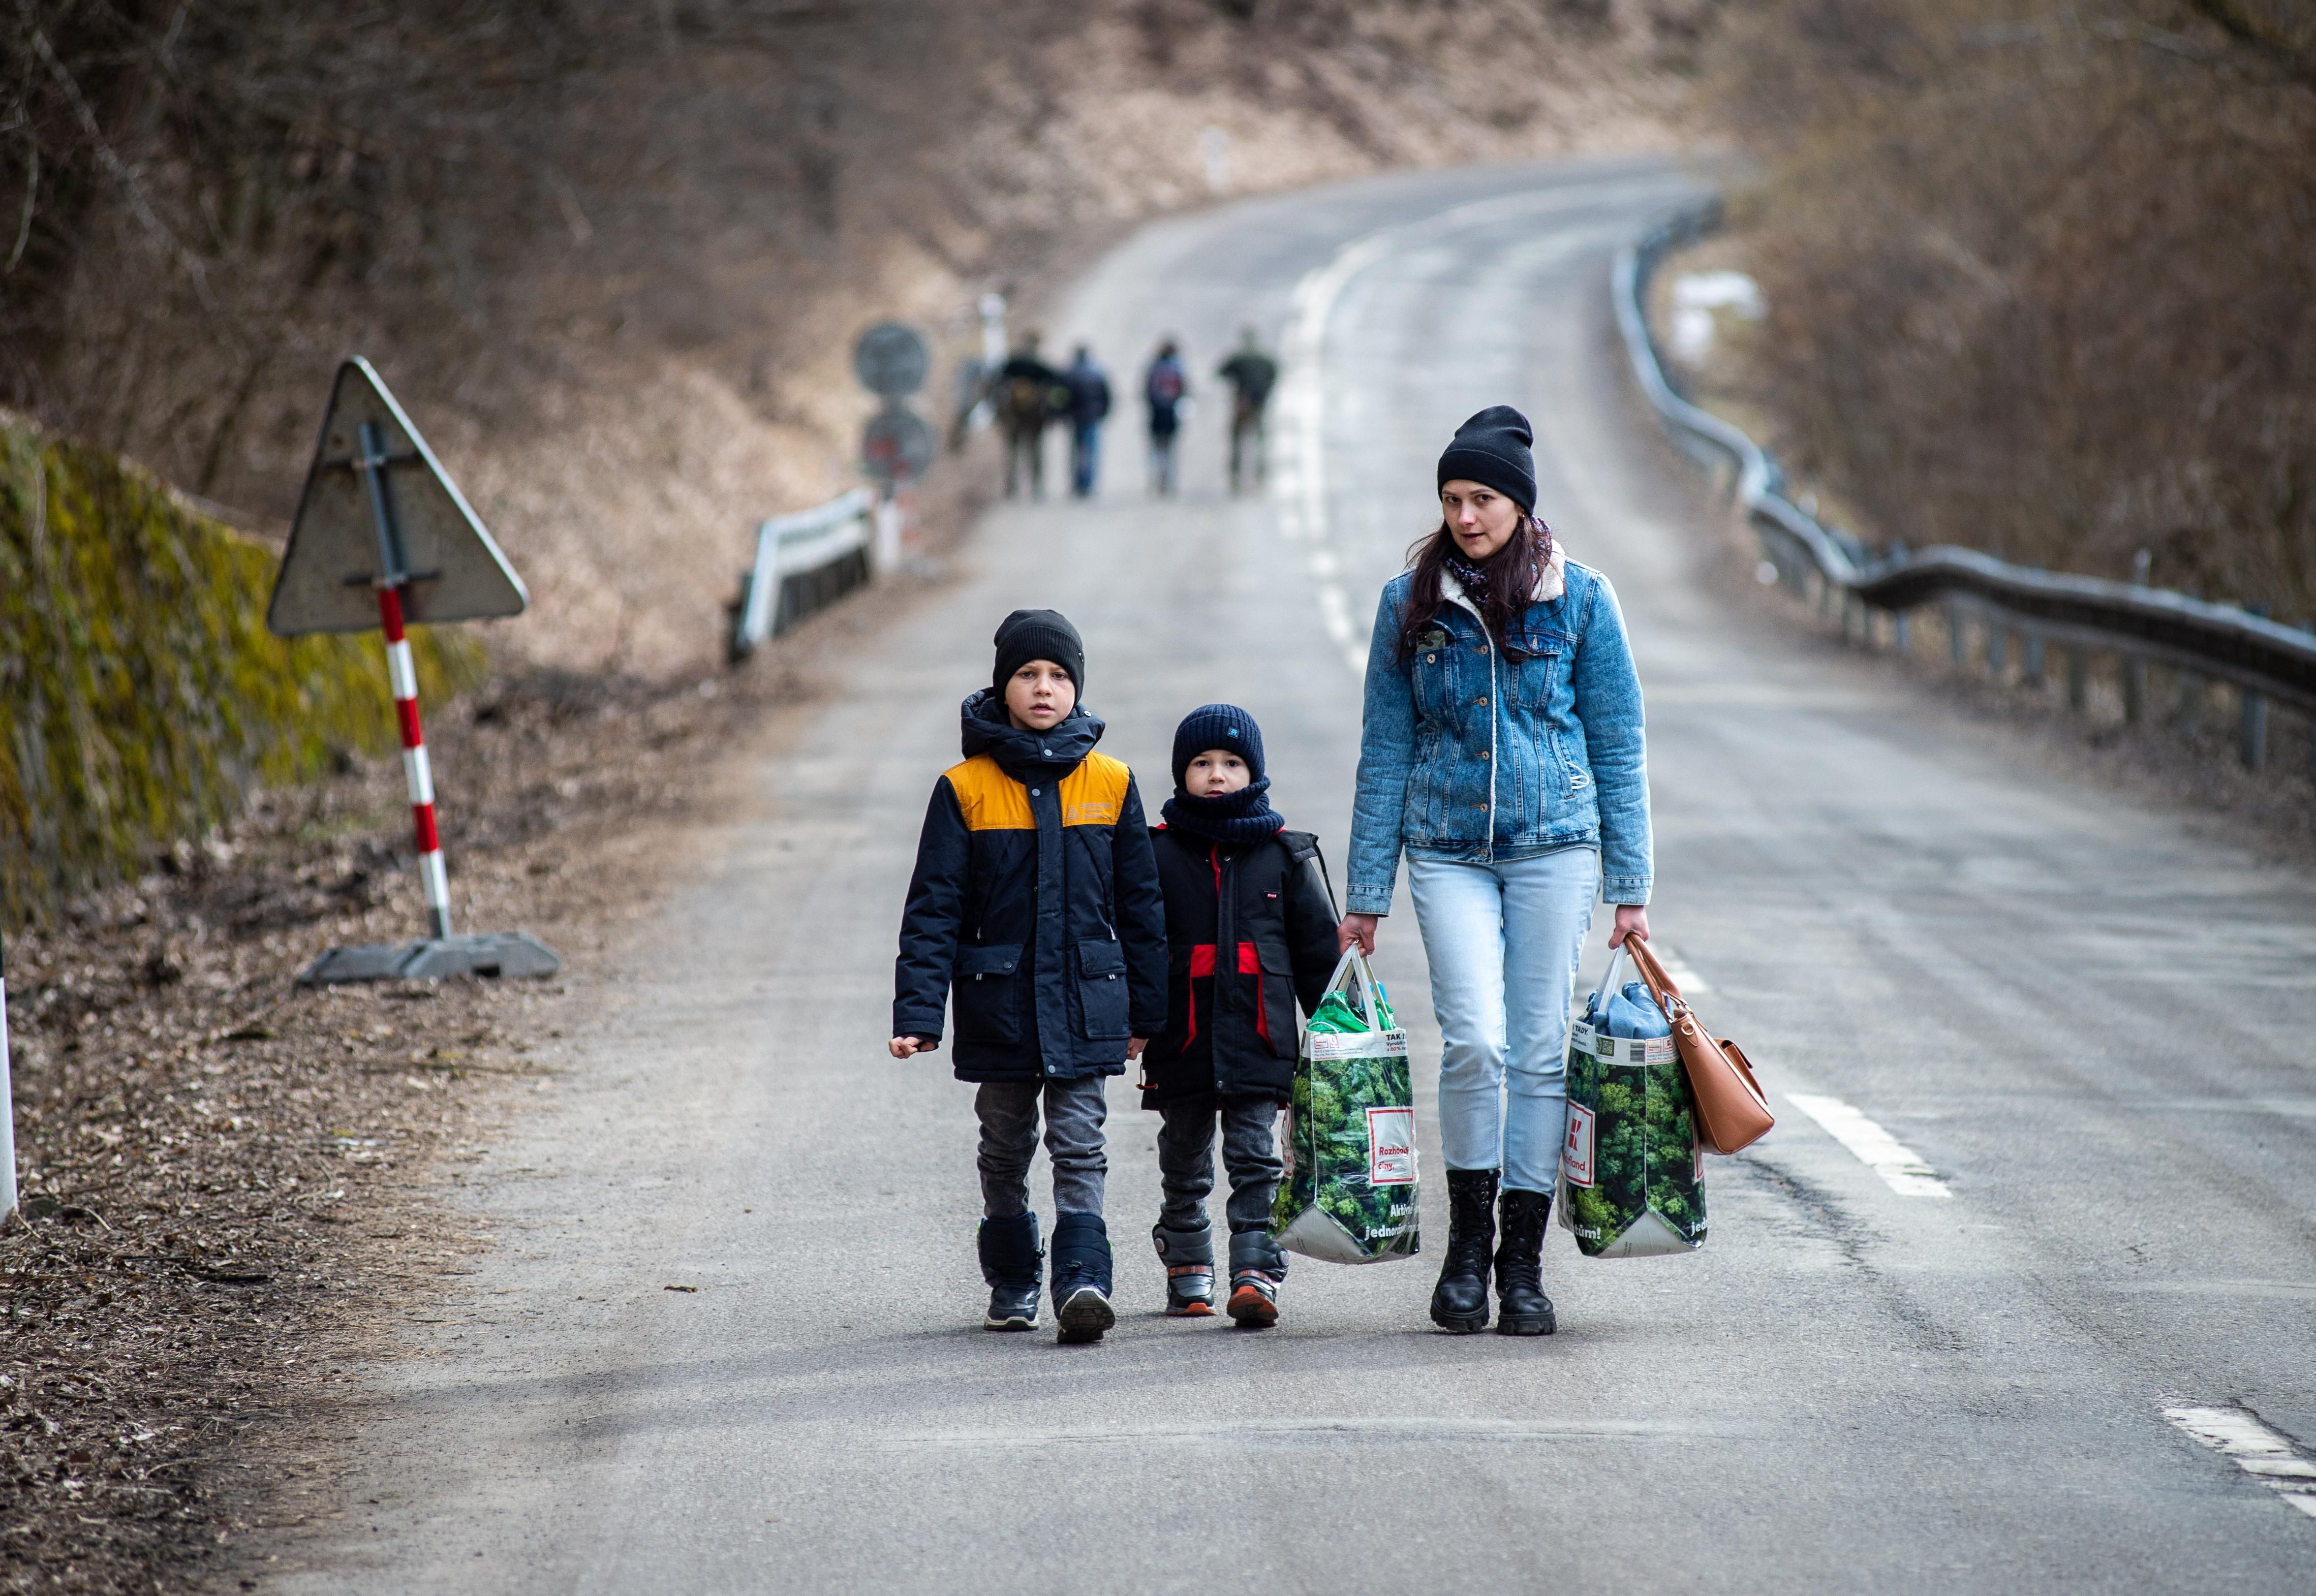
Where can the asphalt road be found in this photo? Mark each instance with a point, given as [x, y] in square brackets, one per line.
[2094, 1033]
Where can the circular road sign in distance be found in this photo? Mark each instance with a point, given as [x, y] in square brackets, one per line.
[891, 360]
[897, 445]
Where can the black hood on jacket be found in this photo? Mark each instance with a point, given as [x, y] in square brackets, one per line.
[984, 728]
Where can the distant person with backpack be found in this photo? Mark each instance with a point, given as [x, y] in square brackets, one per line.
[1089, 388]
[1026, 393]
[1164, 389]
[1251, 374]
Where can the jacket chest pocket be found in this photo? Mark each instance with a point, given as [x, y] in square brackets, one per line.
[1432, 673]
[1541, 672]
[1101, 988]
[986, 992]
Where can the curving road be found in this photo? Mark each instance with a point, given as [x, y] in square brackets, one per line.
[2056, 1175]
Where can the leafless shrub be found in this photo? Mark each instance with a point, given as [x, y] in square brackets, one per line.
[2046, 283]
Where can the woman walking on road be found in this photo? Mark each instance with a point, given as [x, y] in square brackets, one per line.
[1502, 753]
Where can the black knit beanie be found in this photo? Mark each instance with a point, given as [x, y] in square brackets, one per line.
[1492, 449]
[1029, 634]
[1223, 726]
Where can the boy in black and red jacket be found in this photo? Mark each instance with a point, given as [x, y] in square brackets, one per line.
[1249, 935]
[1034, 913]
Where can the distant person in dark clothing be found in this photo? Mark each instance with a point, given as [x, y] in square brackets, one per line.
[1251, 374]
[1165, 387]
[1089, 388]
[1026, 394]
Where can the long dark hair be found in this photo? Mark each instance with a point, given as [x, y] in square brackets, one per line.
[1512, 572]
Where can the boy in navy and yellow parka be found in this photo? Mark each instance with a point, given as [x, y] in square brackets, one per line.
[1035, 913]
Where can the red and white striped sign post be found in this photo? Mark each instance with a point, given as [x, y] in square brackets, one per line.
[404, 677]
[380, 513]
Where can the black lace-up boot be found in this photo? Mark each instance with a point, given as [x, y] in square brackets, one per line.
[1459, 1302]
[1521, 1306]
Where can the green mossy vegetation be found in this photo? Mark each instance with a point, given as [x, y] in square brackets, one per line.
[142, 699]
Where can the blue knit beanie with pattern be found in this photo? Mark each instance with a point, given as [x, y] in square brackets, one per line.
[1217, 726]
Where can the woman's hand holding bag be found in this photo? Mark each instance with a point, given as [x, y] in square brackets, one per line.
[1732, 1112]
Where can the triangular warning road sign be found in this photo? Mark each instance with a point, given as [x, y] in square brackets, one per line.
[401, 519]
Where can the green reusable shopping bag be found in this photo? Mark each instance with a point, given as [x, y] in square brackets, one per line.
[1349, 1192]
[1631, 1175]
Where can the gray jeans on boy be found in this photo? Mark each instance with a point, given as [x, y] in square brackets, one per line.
[1186, 1161]
[1074, 1111]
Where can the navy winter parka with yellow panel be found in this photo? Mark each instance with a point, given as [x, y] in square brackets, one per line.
[1035, 905]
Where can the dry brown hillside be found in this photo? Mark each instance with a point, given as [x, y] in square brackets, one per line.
[612, 255]
[2042, 280]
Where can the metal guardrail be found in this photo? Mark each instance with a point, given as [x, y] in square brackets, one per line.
[2141, 624]
[805, 562]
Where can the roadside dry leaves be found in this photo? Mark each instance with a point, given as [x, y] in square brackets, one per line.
[220, 1171]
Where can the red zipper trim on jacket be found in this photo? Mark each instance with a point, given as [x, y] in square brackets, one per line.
[1202, 967]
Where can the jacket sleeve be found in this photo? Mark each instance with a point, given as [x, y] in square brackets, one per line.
[1310, 934]
[1386, 750]
[1141, 916]
[1616, 744]
[929, 923]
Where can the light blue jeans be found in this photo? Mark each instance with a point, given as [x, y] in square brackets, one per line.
[1504, 940]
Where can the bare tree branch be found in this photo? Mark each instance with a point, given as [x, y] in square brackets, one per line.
[2261, 37]
[192, 265]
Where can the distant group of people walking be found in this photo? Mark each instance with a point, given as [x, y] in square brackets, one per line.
[1029, 395]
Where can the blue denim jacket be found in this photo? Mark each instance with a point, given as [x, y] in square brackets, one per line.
[1466, 755]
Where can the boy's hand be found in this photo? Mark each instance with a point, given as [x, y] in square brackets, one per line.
[1134, 1046]
[1359, 929]
[903, 1047]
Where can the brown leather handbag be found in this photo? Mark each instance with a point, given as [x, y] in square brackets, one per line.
[1731, 1110]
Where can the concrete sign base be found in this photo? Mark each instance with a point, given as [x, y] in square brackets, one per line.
[505, 955]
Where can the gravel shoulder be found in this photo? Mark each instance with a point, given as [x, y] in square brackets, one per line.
[237, 1191]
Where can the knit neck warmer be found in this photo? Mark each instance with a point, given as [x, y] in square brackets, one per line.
[1238, 818]
[1027, 757]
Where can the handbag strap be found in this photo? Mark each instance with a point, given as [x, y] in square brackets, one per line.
[1660, 984]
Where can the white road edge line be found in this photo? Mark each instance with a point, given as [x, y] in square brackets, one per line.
[1901, 1169]
[1299, 483]
[2254, 1448]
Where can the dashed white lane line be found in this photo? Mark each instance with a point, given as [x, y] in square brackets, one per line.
[2254, 1448]
[1691, 984]
[1299, 476]
[1900, 1168]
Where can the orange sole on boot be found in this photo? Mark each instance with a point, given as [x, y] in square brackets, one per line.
[1251, 1309]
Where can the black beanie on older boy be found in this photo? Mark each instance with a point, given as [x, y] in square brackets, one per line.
[1492, 449]
[1029, 634]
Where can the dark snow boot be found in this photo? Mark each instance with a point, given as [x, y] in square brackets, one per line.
[1257, 1267]
[1521, 1306]
[1459, 1302]
[1009, 1262]
[1081, 1277]
[1189, 1259]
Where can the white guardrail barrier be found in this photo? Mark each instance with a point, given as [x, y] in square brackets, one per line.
[806, 560]
[2142, 626]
